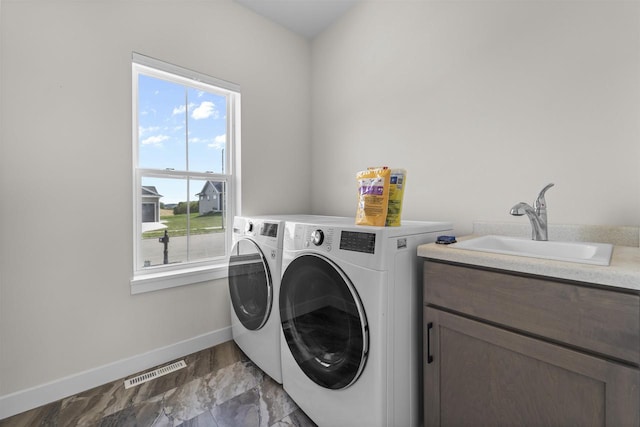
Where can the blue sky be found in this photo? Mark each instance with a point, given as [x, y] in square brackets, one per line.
[166, 111]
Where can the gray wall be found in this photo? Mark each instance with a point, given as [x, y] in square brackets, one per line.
[66, 255]
[483, 102]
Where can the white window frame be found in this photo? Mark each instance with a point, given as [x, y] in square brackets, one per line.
[163, 277]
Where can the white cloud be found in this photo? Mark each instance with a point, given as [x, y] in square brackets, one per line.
[142, 130]
[205, 110]
[155, 140]
[219, 142]
[180, 109]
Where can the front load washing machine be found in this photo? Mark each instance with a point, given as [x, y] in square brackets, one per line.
[254, 281]
[350, 309]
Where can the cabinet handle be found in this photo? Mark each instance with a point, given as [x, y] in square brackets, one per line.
[429, 356]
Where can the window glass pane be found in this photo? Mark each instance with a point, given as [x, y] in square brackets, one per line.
[194, 226]
[207, 131]
[167, 196]
[162, 122]
[207, 221]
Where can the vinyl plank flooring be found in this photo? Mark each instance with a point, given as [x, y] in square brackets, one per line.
[219, 387]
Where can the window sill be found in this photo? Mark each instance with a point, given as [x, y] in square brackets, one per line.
[171, 279]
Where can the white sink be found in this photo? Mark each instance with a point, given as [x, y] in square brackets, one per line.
[582, 252]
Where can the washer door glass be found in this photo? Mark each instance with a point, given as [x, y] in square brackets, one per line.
[250, 285]
[323, 322]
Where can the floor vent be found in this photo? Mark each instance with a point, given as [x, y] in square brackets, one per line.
[131, 382]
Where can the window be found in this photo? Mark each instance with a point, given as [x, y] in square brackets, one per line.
[185, 140]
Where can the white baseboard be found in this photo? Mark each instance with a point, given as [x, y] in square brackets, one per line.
[15, 403]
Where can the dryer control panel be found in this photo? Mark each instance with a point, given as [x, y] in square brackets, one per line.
[320, 237]
[306, 236]
[358, 241]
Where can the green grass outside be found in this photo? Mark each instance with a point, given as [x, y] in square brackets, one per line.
[177, 225]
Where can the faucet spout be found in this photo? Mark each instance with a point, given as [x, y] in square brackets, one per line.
[537, 215]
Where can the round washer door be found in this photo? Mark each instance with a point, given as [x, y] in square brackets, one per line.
[250, 284]
[324, 322]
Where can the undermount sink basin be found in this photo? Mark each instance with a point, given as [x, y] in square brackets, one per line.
[581, 252]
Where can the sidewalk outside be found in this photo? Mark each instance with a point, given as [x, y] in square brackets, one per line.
[201, 246]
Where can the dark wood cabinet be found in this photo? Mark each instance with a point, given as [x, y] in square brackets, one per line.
[507, 350]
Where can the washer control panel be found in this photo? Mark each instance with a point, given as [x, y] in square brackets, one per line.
[269, 229]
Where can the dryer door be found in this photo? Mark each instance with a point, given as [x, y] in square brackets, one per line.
[323, 321]
[250, 284]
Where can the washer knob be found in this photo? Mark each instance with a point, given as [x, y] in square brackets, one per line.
[317, 237]
[248, 227]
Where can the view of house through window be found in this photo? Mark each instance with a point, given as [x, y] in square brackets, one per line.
[182, 147]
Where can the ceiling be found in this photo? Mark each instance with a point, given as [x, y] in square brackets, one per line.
[305, 17]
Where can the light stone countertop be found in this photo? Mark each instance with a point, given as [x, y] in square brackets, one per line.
[623, 272]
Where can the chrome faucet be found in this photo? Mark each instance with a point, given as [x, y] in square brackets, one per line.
[537, 216]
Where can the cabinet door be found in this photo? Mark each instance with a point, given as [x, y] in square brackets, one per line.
[597, 320]
[480, 375]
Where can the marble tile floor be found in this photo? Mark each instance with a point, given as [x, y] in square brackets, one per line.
[220, 387]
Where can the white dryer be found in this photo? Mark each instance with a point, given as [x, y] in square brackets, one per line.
[350, 308]
[254, 281]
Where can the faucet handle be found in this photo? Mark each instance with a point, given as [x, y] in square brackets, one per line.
[540, 202]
